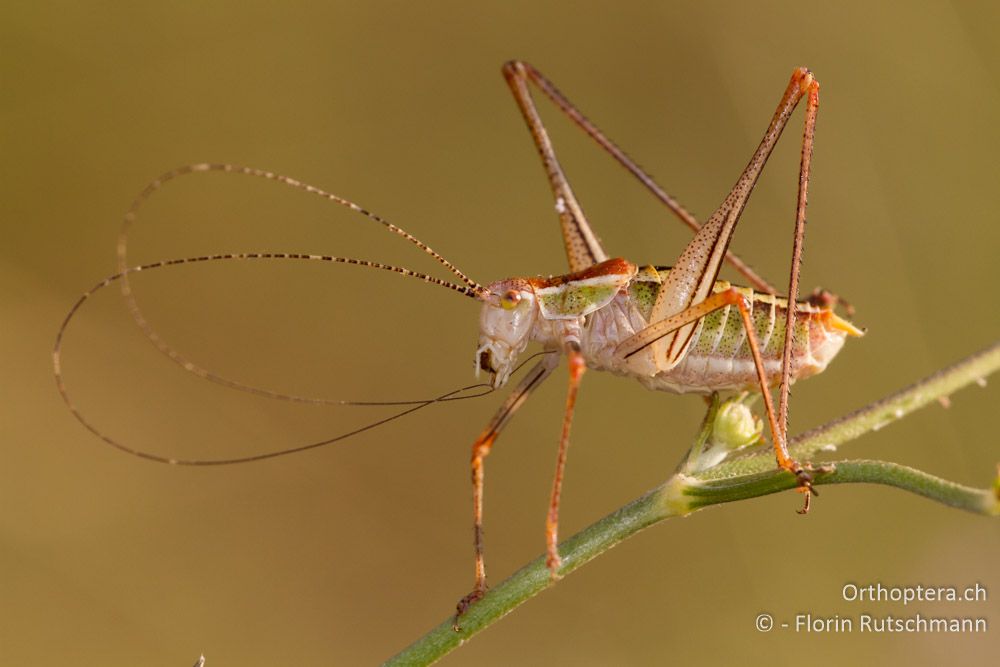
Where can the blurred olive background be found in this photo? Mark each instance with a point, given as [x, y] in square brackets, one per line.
[346, 554]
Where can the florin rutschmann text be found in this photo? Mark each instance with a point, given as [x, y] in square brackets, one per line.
[869, 621]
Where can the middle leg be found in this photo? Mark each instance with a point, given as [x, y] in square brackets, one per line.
[577, 366]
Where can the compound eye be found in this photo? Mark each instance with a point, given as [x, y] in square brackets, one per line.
[510, 299]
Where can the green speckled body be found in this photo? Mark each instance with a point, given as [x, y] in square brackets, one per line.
[607, 304]
[718, 356]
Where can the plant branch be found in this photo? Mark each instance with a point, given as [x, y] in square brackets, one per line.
[747, 477]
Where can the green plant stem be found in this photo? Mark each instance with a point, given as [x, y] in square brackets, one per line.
[748, 477]
[874, 416]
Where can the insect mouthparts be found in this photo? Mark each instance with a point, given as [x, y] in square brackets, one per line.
[486, 361]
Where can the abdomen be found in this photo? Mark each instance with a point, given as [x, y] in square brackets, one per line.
[718, 357]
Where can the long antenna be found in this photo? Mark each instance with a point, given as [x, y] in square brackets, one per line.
[472, 288]
[414, 405]
[205, 167]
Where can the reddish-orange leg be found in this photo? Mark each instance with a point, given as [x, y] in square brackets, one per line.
[577, 366]
[484, 444]
[717, 232]
[805, 165]
[480, 450]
